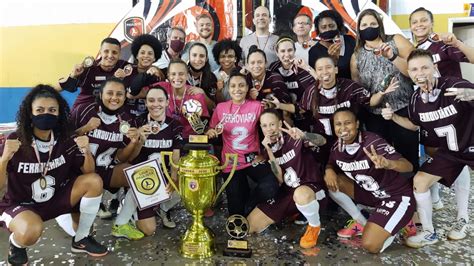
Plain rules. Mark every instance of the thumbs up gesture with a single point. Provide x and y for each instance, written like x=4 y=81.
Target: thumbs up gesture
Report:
x=387 y=112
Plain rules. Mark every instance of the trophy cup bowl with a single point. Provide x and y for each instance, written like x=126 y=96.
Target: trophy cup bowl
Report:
x=197 y=172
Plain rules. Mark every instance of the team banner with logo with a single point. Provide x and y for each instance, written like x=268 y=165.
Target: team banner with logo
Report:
x=232 y=18
x=147 y=183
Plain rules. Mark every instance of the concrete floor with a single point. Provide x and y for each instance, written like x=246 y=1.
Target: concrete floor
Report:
x=277 y=245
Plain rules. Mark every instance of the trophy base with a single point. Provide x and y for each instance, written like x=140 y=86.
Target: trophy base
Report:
x=198 y=244
x=237 y=248
x=235 y=252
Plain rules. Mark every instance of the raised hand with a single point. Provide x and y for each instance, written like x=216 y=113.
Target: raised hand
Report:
x=386 y=50
x=393 y=86
x=461 y=94
x=82 y=143
x=253 y=93
x=212 y=133
x=77 y=70
x=133 y=134
x=271 y=103
x=294 y=132
x=379 y=161
x=10 y=148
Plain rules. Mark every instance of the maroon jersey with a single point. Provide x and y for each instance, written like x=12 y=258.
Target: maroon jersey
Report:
x=449 y=122
x=298 y=164
x=446 y=57
x=25 y=185
x=346 y=93
x=273 y=84
x=167 y=139
x=135 y=107
x=354 y=163
x=91 y=79
x=105 y=140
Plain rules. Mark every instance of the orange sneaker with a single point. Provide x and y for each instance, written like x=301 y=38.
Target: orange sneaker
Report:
x=352 y=228
x=310 y=237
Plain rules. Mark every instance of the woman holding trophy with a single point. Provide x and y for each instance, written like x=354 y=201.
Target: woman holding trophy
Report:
x=237 y=120
x=159 y=133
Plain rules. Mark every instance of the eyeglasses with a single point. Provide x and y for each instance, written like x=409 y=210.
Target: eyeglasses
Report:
x=302 y=23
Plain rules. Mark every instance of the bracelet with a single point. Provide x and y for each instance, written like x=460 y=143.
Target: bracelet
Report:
x=394 y=56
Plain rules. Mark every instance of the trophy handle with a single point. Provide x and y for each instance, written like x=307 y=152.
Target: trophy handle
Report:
x=228 y=156
x=165 y=169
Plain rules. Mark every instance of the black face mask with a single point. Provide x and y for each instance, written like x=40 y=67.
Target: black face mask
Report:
x=45 y=121
x=329 y=35
x=369 y=34
x=107 y=110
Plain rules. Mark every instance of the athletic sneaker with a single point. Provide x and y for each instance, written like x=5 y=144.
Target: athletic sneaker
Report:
x=438 y=205
x=408 y=230
x=16 y=255
x=352 y=228
x=459 y=230
x=166 y=218
x=90 y=246
x=310 y=237
x=127 y=231
x=422 y=239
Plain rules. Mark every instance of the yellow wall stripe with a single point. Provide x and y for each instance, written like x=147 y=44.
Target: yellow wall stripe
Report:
x=41 y=54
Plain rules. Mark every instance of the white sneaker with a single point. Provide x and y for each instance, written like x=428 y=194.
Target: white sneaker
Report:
x=438 y=205
x=166 y=218
x=422 y=239
x=459 y=230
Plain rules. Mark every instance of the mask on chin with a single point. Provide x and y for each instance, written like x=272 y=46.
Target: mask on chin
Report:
x=107 y=110
x=329 y=35
x=45 y=121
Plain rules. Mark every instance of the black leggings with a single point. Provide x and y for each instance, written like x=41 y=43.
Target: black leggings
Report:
x=405 y=141
x=241 y=199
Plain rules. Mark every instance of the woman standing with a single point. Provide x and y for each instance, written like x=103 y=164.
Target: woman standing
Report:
x=228 y=54
x=200 y=76
x=46 y=166
x=376 y=57
x=237 y=121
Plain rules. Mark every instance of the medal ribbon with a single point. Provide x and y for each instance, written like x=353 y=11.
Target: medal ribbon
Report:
x=34 y=144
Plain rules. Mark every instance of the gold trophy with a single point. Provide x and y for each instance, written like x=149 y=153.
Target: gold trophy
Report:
x=197 y=173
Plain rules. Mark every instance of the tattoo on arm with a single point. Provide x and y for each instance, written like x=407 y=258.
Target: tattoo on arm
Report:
x=314 y=138
x=274 y=168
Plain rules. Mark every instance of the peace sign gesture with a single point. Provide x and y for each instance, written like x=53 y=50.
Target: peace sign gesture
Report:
x=294 y=132
x=379 y=161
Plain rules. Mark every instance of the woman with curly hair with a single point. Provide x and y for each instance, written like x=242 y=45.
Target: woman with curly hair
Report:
x=146 y=49
x=45 y=165
x=228 y=55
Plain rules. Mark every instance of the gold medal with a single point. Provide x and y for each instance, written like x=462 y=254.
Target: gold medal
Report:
x=219 y=128
x=128 y=69
x=42 y=182
x=88 y=62
x=124 y=127
x=154 y=127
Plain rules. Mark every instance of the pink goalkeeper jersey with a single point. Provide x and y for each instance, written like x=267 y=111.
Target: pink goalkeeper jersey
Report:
x=240 y=135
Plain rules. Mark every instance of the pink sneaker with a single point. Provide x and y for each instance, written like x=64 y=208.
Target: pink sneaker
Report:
x=408 y=230
x=352 y=228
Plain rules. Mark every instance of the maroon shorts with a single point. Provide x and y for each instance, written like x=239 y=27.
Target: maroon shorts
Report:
x=59 y=204
x=448 y=165
x=283 y=205
x=146 y=213
x=106 y=176
x=391 y=213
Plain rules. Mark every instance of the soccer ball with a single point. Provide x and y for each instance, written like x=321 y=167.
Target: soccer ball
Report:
x=192 y=106
x=237 y=226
